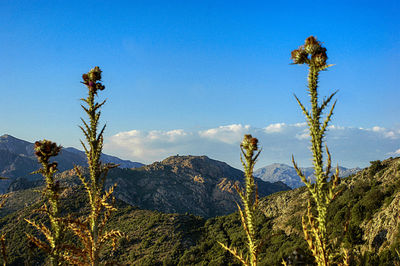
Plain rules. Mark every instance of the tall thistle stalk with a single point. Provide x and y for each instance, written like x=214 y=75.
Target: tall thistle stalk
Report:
x=44 y=150
x=323 y=191
x=91 y=230
x=249 y=197
x=3 y=198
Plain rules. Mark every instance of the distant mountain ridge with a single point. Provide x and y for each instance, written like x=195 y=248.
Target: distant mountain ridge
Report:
x=17 y=160
x=287 y=174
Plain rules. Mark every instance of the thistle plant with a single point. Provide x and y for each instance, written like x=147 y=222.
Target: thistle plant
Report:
x=3 y=248
x=3 y=198
x=44 y=150
x=249 y=198
x=323 y=192
x=91 y=230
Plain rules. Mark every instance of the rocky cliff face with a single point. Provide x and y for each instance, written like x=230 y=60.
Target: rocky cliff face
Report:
x=382 y=229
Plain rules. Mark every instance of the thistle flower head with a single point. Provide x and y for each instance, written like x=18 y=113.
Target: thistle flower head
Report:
x=100 y=86
x=320 y=59
x=249 y=143
x=95 y=74
x=299 y=56
x=45 y=149
x=311 y=53
x=92 y=80
x=311 y=45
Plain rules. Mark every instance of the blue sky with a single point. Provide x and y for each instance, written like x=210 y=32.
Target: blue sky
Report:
x=191 y=77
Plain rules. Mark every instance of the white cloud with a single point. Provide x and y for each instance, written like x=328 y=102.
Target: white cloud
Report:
x=228 y=134
x=142 y=145
x=303 y=124
x=349 y=146
x=378 y=129
x=169 y=136
x=303 y=135
x=390 y=134
x=275 y=128
x=387 y=133
x=333 y=127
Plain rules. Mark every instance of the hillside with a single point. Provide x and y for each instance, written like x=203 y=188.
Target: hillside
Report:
x=369 y=201
x=18 y=161
x=152 y=237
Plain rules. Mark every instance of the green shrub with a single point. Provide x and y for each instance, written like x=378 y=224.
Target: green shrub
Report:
x=375 y=167
x=354 y=235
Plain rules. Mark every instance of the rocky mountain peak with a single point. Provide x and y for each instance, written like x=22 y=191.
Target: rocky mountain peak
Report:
x=201 y=165
x=15 y=145
x=189 y=161
x=194 y=184
x=288 y=175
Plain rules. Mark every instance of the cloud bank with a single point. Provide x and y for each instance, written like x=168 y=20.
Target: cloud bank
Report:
x=349 y=146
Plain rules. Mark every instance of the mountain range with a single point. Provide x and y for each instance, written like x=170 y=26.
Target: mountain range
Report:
x=179 y=184
x=287 y=174
x=17 y=160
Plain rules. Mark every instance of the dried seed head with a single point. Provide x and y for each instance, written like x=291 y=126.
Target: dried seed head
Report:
x=44 y=149
x=312 y=45
x=246 y=141
x=311 y=53
x=99 y=86
x=253 y=144
x=249 y=143
x=311 y=40
x=320 y=59
x=92 y=78
x=299 y=56
x=95 y=74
